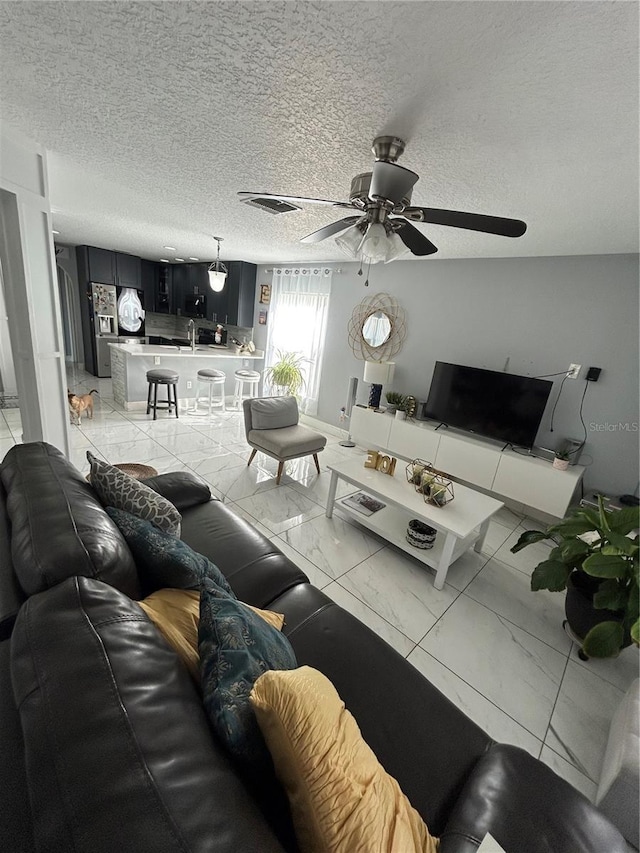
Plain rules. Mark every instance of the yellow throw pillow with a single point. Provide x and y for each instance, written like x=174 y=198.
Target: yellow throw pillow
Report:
x=176 y=614
x=341 y=798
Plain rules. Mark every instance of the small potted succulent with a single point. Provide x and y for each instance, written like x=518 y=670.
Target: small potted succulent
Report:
x=394 y=401
x=561 y=460
x=401 y=409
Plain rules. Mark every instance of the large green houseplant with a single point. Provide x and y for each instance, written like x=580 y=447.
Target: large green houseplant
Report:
x=286 y=374
x=594 y=555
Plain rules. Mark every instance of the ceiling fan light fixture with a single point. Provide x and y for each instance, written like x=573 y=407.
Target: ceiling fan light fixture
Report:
x=217 y=271
x=395 y=248
x=350 y=240
x=375 y=245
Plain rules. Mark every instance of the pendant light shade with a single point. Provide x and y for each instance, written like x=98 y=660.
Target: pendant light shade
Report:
x=217 y=271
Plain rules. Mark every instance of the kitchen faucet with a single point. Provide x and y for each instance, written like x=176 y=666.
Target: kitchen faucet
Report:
x=191 y=327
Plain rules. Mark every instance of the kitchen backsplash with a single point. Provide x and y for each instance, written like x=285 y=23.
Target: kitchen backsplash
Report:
x=172 y=326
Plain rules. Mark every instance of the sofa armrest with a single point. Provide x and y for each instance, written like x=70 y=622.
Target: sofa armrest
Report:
x=11 y=594
x=525 y=806
x=11 y=598
x=182 y=488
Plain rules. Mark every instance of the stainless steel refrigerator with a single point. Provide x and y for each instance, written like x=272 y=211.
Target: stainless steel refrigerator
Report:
x=105 y=325
x=117 y=313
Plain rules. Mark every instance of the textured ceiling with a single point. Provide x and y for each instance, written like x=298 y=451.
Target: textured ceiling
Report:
x=156 y=113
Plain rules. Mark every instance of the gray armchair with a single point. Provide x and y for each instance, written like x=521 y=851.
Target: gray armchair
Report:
x=271 y=426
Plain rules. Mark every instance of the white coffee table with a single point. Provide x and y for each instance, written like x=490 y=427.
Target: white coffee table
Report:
x=464 y=521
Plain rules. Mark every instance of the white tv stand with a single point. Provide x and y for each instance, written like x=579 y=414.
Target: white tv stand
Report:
x=505 y=473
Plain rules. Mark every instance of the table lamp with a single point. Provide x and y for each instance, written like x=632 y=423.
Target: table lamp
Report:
x=378 y=373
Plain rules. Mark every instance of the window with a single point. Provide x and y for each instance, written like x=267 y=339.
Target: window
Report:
x=298 y=323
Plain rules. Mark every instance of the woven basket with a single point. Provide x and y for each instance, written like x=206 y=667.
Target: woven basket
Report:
x=135 y=470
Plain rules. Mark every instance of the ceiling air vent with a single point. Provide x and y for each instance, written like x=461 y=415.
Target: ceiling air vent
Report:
x=271 y=205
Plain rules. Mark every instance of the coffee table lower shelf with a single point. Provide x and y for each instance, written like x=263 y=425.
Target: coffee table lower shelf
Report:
x=391 y=523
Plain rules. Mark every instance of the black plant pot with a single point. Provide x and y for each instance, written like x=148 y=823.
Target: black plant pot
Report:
x=581 y=615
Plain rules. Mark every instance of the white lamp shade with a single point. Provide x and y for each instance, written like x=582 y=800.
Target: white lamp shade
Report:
x=379 y=372
x=349 y=241
x=217 y=280
x=395 y=248
x=374 y=246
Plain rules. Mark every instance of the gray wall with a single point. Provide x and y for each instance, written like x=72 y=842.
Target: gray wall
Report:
x=540 y=313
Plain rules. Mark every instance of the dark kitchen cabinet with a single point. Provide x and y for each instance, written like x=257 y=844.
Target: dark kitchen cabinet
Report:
x=128 y=270
x=155 y=282
x=241 y=293
x=179 y=287
x=234 y=304
x=149 y=281
x=102 y=265
x=107 y=267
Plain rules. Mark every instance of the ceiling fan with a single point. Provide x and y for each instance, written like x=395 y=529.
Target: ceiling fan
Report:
x=381 y=230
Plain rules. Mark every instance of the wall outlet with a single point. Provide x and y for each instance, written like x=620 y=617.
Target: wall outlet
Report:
x=574 y=371
x=189 y=384
x=156 y=359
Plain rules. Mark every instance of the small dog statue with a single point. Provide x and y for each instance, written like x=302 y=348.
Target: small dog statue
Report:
x=79 y=403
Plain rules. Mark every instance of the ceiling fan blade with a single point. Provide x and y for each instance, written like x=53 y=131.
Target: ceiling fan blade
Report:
x=470 y=221
x=330 y=230
x=293 y=199
x=416 y=242
x=390 y=182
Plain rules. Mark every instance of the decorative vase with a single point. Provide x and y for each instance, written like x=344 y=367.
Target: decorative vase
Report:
x=401 y=415
x=560 y=464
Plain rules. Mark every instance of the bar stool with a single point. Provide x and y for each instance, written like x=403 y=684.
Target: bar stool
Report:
x=213 y=380
x=159 y=376
x=250 y=378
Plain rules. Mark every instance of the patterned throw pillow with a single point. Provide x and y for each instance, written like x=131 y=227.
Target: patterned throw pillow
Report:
x=163 y=560
x=115 y=488
x=236 y=647
x=176 y=614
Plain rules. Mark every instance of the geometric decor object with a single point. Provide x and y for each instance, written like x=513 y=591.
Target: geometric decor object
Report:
x=386 y=307
x=435 y=487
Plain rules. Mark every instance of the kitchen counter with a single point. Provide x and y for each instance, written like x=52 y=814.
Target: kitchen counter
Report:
x=130 y=363
x=170 y=350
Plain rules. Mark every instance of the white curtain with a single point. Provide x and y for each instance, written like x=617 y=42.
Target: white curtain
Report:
x=298 y=323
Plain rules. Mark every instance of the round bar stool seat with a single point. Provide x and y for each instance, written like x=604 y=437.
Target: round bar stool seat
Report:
x=161 y=376
x=251 y=378
x=213 y=381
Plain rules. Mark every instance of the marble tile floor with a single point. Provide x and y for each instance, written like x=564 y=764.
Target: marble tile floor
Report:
x=496 y=649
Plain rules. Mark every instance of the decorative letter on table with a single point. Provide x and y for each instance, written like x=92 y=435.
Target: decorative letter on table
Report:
x=382 y=463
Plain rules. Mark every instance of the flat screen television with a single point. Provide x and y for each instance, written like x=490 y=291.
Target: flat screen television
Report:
x=497 y=405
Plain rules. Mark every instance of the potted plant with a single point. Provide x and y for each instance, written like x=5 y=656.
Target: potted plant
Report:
x=286 y=375
x=596 y=560
x=402 y=409
x=561 y=460
x=394 y=400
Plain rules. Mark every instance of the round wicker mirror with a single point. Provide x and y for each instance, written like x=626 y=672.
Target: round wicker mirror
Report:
x=376 y=329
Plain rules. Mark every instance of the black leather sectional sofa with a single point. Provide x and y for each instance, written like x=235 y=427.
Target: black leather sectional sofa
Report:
x=105 y=745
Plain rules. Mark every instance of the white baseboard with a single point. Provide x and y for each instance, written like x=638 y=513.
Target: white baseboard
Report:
x=322 y=426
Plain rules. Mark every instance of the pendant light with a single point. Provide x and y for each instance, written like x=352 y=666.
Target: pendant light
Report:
x=217 y=271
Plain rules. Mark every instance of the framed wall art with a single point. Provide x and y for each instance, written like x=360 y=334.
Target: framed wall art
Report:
x=265 y=294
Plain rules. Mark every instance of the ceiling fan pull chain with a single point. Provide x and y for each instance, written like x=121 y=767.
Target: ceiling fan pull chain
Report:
x=366 y=283
x=360 y=270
